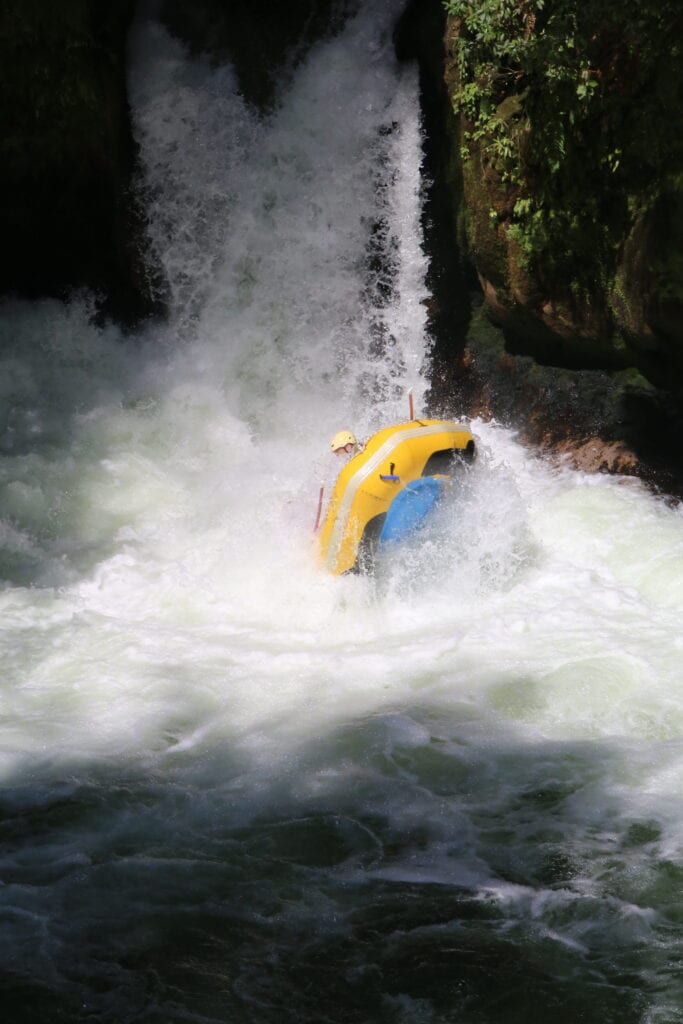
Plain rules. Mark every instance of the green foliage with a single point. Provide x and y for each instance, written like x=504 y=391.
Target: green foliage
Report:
x=574 y=106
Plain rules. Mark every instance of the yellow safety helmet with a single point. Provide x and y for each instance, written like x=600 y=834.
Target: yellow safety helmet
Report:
x=341 y=440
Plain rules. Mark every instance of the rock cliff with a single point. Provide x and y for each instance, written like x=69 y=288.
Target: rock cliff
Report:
x=67 y=154
x=557 y=186
x=573 y=176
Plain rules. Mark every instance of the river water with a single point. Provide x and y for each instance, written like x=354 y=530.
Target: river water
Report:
x=235 y=788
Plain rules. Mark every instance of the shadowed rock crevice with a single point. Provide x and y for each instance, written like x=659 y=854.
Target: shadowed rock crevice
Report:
x=67 y=156
x=263 y=40
x=451 y=277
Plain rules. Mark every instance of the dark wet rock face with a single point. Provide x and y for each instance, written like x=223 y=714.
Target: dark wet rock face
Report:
x=67 y=155
x=594 y=420
x=264 y=40
x=451 y=275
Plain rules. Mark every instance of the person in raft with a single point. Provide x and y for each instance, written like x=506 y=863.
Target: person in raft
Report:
x=345 y=443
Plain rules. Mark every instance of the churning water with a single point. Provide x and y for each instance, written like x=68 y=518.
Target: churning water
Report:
x=234 y=788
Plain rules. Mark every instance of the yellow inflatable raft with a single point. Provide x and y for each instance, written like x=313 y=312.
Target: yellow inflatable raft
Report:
x=372 y=479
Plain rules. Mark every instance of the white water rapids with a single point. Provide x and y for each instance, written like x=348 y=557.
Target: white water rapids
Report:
x=233 y=787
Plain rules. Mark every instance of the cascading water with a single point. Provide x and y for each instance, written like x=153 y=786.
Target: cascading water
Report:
x=234 y=788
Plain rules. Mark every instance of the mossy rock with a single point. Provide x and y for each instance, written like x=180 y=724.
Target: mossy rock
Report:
x=600 y=283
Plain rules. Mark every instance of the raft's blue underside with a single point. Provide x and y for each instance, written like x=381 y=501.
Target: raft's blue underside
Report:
x=410 y=509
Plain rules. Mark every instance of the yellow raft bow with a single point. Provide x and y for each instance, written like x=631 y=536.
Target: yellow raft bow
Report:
x=370 y=481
